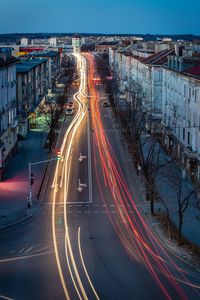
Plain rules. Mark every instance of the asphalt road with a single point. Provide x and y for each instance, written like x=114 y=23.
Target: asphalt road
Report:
x=98 y=254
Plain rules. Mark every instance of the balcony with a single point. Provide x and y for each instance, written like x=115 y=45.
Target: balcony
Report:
x=190 y=153
x=14 y=124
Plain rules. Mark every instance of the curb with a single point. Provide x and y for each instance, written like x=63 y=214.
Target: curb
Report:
x=6 y=226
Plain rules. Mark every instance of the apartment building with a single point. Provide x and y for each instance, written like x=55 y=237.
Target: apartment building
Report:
x=8 y=106
x=181 y=110
x=32 y=86
x=53 y=65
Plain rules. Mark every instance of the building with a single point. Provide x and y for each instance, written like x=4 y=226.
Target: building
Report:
x=28 y=50
x=53 y=61
x=76 y=43
x=25 y=41
x=181 y=110
x=8 y=106
x=32 y=85
x=145 y=72
x=53 y=41
x=104 y=47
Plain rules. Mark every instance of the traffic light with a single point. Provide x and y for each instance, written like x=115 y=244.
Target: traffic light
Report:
x=32 y=179
x=58 y=155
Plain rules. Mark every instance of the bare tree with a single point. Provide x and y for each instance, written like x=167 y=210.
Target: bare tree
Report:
x=50 y=112
x=182 y=196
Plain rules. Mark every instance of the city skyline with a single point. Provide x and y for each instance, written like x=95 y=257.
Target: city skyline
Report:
x=127 y=17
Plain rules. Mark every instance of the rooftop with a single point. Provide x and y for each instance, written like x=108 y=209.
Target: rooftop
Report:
x=159 y=58
x=193 y=70
x=27 y=65
x=9 y=61
x=107 y=43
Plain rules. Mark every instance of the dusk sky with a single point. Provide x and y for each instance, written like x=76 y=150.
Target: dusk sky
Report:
x=100 y=16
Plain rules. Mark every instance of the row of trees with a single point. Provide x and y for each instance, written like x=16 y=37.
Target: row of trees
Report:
x=50 y=110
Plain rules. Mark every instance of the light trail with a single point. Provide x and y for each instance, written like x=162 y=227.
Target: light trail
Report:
x=84 y=267
x=134 y=231
x=66 y=150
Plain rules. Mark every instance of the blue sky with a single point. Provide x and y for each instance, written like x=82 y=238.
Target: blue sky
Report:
x=111 y=16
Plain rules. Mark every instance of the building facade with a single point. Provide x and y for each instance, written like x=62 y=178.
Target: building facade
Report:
x=53 y=66
x=32 y=86
x=181 y=112
x=8 y=106
x=76 y=43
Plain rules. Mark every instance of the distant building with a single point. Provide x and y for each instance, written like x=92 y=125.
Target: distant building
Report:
x=76 y=43
x=103 y=47
x=8 y=106
x=39 y=42
x=167 y=39
x=28 y=50
x=25 y=41
x=53 y=41
x=53 y=58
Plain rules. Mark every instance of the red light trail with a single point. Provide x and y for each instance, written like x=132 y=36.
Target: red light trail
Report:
x=134 y=233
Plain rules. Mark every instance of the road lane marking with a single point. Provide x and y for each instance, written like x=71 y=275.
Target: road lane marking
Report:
x=12 y=251
x=28 y=250
x=6 y=298
x=21 y=251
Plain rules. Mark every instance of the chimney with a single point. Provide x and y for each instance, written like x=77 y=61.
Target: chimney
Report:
x=180 y=64
x=177 y=49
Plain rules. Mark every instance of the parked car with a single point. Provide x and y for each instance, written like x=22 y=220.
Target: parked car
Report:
x=105 y=104
x=76 y=82
x=70 y=104
x=69 y=111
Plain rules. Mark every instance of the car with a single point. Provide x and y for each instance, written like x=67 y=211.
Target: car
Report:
x=105 y=104
x=69 y=111
x=76 y=83
x=70 y=106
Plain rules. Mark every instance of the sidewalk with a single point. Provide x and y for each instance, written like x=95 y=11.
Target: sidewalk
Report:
x=14 y=188
x=168 y=203
x=168 y=193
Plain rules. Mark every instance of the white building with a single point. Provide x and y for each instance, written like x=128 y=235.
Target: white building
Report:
x=181 y=112
x=76 y=43
x=146 y=72
x=52 y=41
x=25 y=41
x=8 y=106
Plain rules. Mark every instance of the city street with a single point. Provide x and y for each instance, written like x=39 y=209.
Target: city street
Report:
x=89 y=240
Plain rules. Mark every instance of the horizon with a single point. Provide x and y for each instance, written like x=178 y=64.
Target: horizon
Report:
x=97 y=33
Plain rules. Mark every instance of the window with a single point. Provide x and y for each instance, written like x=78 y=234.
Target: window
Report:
x=184 y=90
x=190 y=92
x=199 y=123
x=195 y=95
x=184 y=134
x=188 y=138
